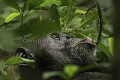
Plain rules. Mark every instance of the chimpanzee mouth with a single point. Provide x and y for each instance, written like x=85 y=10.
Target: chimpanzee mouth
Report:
x=89 y=45
x=88 y=42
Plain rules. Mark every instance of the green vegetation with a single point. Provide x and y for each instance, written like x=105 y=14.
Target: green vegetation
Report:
x=34 y=18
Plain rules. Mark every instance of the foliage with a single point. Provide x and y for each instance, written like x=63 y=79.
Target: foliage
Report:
x=35 y=18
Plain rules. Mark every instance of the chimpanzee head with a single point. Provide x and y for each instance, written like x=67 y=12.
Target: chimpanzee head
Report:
x=56 y=50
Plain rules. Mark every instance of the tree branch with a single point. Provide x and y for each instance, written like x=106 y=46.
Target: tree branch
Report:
x=100 y=23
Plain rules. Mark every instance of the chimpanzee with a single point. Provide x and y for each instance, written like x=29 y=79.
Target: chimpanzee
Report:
x=54 y=51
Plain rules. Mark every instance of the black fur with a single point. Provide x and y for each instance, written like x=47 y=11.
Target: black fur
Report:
x=54 y=51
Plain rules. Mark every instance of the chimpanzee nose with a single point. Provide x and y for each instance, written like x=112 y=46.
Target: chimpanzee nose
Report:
x=87 y=40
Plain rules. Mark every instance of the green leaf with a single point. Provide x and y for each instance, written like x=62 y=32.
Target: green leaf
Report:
x=111 y=42
x=14 y=60
x=12 y=3
x=28 y=60
x=31 y=4
x=54 y=14
x=2 y=65
x=12 y=16
x=106 y=51
x=80 y=11
x=88 y=19
x=70 y=70
x=39 y=27
x=47 y=3
x=47 y=75
x=17 y=60
x=7 y=40
x=70 y=13
x=105 y=31
x=85 y=23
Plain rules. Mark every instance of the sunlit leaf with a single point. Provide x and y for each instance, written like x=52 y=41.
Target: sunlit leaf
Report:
x=12 y=16
x=47 y=75
x=17 y=60
x=111 y=42
x=70 y=70
x=80 y=11
x=14 y=60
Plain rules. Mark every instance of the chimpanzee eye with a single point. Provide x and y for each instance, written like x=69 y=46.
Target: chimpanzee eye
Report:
x=68 y=37
x=56 y=36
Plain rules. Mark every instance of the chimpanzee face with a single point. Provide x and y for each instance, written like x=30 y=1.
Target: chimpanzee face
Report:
x=62 y=49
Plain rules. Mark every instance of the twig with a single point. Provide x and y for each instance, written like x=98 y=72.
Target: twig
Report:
x=100 y=19
x=90 y=9
x=22 y=12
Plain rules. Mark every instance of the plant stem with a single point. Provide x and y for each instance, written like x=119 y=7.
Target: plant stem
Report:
x=100 y=22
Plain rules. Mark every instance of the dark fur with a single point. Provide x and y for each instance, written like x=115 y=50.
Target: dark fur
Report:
x=53 y=51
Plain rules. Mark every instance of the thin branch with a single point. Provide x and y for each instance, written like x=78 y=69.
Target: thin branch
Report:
x=100 y=19
x=22 y=12
x=90 y=9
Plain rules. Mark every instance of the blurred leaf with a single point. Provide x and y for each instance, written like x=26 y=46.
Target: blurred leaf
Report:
x=107 y=32
x=54 y=14
x=85 y=3
x=111 y=42
x=80 y=11
x=14 y=60
x=7 y=39
x=12 y=3
x=31 y=4
x=70 y=70
x=88 y=19
x=76 y=22
x=12 y=16
x=105 y=4
x=47 y=3
x=47 y=75
x=1 y=20
x=17 y=60
x=107 y=67
x=106 y=51
x=64 y=2
x=6 y=73
x=37 y=26
x=70 y=13
x=85 y=24
x=2 y=65
x=8 y=23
